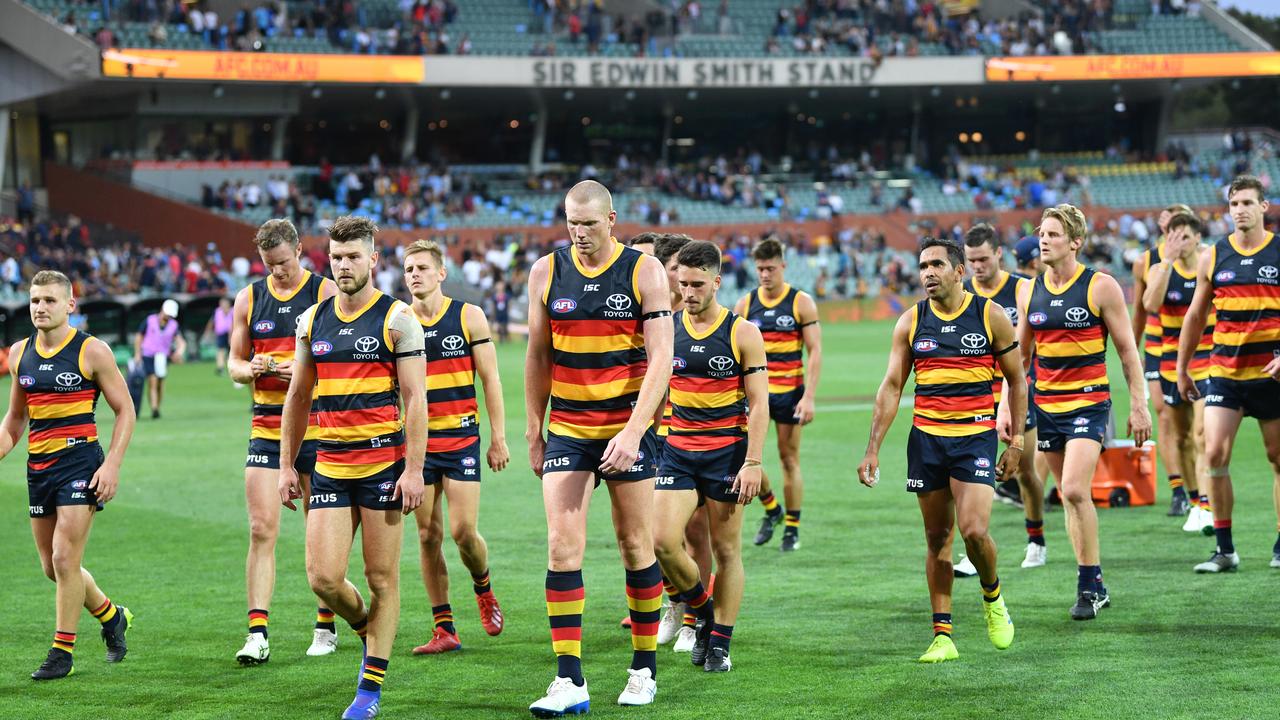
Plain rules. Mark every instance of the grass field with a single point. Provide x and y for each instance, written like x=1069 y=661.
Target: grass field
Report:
x=831 y=630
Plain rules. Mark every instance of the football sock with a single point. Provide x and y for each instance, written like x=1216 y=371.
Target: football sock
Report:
x=64 y=641
x=1035 y=531
x=991 y=593
x=109 y=615
x=565 y=598
x=443 y=615
x=480 y=583
x=689 y=620
x=324 y=619
x=700 y=602
x=942 y=624
x=720 y=636
x=644 y=601
x=673 y=595
x=375 y=671
x=362 y=629
x=792 y=522
x=1222 y=529
x=1089 y=577
x=1175 y=482
x=770 y=503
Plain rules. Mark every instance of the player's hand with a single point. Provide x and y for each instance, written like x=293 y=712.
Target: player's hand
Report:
x=258 y=365
x=290 y=486
x=1273 y=368
x=1007 y=465
x=104 y=483
x=1140 y=424
x=869 y=469
x=537 y=450
x=410 y=489
x=498 y=455
x=804 y=411
x=1187 y=387
x=620 y=454
x=1004 y=424
x=747 y=483
x=283 y=370
x=176 y=358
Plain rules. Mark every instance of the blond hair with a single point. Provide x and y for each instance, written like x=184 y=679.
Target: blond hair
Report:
x=426 y=246
x=1073 y=222
x=274 y=233
x=51 y=277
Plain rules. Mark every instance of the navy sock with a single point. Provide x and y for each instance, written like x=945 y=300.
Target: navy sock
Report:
x=375 y=671
x=1035 y=531
x=942 y=624
x=1089 y=577
x=720 y=636
x=1275 y=549
x=1222 y=529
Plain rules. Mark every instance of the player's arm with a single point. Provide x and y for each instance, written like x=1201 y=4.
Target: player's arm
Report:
x=1111 y=306
x=284 y=369
x=242 y=365
x=811 y=334
x=1026 y=339
x=137 y=341
x=740 y=307
x=537 y=364
x=659 y=346
x=328 y=289
x=101 y=364
x=1004 y=343
x=750 y=345
x=1139 y=292
x=295 y=415
x=887 y=398
x=409 y=345
x=15 y=417
x=486 y=356
x=1022 y=335
x=1193 y=326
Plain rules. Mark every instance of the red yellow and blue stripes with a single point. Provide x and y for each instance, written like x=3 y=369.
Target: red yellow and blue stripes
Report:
x=272 y=317
x=953 y=396
x=451 y=380
x=1070 y=345
x=64 y=641
x=1172 y=314
x=707 y=413
x=783 y=338
x=61 y=398
x=1246 y=297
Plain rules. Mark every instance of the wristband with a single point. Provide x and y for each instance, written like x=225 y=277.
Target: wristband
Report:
x=750 y=463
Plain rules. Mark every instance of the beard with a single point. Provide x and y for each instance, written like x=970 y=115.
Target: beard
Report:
x=357 y=283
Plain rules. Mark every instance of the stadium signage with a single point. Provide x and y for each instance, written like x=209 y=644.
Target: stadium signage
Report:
x=260 y=67
x=645 y=73
x=1132 y=67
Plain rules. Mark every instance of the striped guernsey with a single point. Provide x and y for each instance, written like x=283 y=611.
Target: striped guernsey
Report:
x=1070 y=344
x=953 y=359
x=60 y=399
x=273 y=320
x=1246 y=295
x=451 y=380
x=783 y=339
x=708 y=394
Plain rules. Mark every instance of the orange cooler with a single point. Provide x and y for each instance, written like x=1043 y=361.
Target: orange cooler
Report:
x=1126 y=475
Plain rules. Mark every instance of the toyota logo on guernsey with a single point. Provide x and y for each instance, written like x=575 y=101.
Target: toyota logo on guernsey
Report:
x=1268 y=272
x=367 y=344
x=321 y=347
x=68 y=379
x=453 y=342
x=564 y=305
x=264 y=326
x=973 y=341
x=785 y=321
x=1077 y=314
x=618 y=302
x=720 y=362
x=926 y=345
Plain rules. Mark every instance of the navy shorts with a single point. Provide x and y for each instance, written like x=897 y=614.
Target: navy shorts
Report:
x=1173 y=398
x=149 y=366
x=66 y=482
x=711 y=473
x=1056 y=429
x=462 y=464
x=373 y=492
x=1150 y=366
x=1256 y=398
x=264 y=453
x=224 y=341
x=782 y=406
x=566 y=454
x=933 y=460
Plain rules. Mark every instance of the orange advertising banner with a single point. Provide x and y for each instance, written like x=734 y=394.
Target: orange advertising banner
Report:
x=1132 y=67
x=261 y=67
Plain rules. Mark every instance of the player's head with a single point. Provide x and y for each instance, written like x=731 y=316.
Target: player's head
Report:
x=1062 y=229
x=1169 y=212
x=351 y=253
x=698 y=275
x=982 y=252
x=278 y=245
x=168 y=311
x=666 y=249
x=51 y=300
x=588 y=210
x=1248 y=202
x=1027 y=254
x=771 y=263
x=1189 y=224
x=224 y=302
x=423 y=268
x=941 y=267
x=645 y=242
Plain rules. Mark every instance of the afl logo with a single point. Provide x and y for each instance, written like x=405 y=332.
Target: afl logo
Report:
x=68 y=379
x=368 y=343
x=720 y=362
x=1038 y=318
x=453 y=342
x=678 y=363
x=1081 y=421
x=264 y=326
x=1174 y=295
x=468 y=462
x=1268 y=272
x=926 y=345
x=982 y=462
x=564 y=305
x=1077 y=314
x=785 y=321
x=26 y=380
x=321 y=347
x=1225 y=276
x=79 y=484
x=618 y=302
x=387 y=486
x=758 y=323
x=973 y=341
